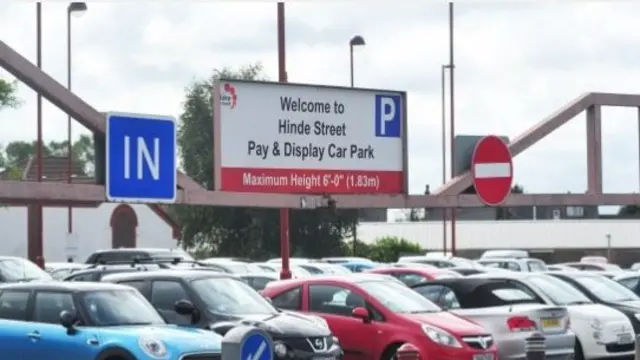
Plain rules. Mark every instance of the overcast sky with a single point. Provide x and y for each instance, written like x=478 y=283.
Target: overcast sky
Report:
x=515 y=64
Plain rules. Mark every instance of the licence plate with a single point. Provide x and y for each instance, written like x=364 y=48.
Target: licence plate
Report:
x=483 y=357
x=625 y=338
x=550 y=323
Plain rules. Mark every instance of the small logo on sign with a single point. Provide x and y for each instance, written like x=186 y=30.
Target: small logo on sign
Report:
x=229 y=97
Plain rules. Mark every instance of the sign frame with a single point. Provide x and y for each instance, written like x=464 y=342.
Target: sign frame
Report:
x=217 y=136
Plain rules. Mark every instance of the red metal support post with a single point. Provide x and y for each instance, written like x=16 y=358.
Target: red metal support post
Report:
x=285 y=273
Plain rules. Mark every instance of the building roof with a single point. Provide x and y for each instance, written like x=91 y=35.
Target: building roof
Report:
x=55 y=169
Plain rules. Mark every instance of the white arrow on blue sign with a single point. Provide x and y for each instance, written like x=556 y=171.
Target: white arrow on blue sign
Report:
x=256 y=347
x=141 y=156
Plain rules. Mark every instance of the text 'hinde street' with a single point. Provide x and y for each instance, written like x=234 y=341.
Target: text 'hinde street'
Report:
x=312 y=129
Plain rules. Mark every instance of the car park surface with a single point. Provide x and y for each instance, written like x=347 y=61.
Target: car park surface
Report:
x=509 y=313
x=601 y=331
x=219 y=302
x=63 y=321
x=605 y=291
x=372 y=316
x=415 y=275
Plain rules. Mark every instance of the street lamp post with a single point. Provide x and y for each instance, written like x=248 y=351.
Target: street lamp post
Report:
x=77 y=9
x=357 y=40
x=443 y=83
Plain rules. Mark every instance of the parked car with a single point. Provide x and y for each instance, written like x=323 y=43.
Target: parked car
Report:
x=317 y=268
x=440 y=262
x=60 y=270
x=603 y=290
x=635 y=266
x=129 y=254
x=593 y=266
x=514 y=264
x=630 y=280
x=258 y=281
x=356 y=266
x=63 y=321
x=415 y=275
x=510 y=253
x=230 y=266
x=219 y=302
x=373 y=315
x=559 y=267
x=296 y=271
x=467 y=271
x=96 y=272
x=594 y=259
x=347 y=259
x=601 y=331
x=506 y=311
x=17 y=269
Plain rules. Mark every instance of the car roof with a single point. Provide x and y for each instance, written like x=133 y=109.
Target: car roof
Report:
x=171 y=274
x=353 y=278
x=79 y=286
x=408 y=269
x=465 y=285
x=270 y=275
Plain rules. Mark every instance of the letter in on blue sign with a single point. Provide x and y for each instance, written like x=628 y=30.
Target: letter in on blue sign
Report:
x=256 y=347
x=141 y=158
x=388 y=115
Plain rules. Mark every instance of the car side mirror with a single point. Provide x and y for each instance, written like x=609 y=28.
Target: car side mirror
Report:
x=362 y=314
x=221 y=328
x=185 y=307
x=68 y=319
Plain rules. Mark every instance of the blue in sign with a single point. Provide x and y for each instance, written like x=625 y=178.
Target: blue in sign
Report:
x=256 y=347
x=141 y=158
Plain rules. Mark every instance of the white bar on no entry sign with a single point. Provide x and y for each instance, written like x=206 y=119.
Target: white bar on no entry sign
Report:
x=492 y=170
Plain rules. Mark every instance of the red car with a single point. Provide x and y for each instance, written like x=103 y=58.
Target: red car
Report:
x=373 y=315
x=415 y=275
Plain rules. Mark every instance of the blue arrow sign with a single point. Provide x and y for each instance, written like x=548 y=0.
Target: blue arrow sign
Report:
x=141 y=156
x=256 y=347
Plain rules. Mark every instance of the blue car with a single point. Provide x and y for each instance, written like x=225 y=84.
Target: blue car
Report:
x=359 y=266
x=94 y=321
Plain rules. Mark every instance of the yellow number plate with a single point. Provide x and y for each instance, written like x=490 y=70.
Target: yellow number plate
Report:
x=547 y=323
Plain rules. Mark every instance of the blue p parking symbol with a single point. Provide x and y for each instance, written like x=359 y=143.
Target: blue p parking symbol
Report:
x=388 y=114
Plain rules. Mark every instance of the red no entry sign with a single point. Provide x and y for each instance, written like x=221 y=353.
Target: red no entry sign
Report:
x=492 y=170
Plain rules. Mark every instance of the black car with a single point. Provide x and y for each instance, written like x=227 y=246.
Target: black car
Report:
x=95 y=272
x=129 y=254
x=603 y=290
x=467 y=271
x=218 y=302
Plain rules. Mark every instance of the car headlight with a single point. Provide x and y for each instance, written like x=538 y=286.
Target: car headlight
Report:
x=280 y=349
x=153 y=347
x=440 y=336
x=596 y=323
x=320 y=321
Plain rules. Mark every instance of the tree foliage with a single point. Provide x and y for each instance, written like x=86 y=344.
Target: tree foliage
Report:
x=8 y=94
x=16 y=153
x=384 y=249
x=247 y=232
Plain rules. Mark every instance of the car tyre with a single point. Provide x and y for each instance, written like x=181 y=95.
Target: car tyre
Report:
x=390 y=352
x=577 y=352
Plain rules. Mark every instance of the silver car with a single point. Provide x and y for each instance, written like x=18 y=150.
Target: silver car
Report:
x=505 y=310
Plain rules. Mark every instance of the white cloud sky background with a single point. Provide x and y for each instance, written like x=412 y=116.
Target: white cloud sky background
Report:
x=515 y=64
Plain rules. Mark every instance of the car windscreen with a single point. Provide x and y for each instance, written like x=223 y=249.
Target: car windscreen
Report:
x=17 y=269
x=398 y=297
x=606 y=289
x=557 y=290
x=231 y=296
x=119 y=308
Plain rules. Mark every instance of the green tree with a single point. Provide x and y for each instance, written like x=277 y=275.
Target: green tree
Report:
x=247 y=232
x=390 y=248
x=629 y=212
x=8 y=94
x=17 y=153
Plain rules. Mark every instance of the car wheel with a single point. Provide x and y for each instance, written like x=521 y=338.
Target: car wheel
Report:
x=390 y=352
x=577 y=352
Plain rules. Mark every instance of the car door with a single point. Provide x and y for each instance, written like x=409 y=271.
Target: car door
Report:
x=164 y=295
x=335 y=304
x=13 y=324
x=49 y=339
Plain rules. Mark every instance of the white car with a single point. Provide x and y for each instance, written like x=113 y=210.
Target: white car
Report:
x=601 y=331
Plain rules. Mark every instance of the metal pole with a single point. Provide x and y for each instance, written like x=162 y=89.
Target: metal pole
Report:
x=285 y=273
x=351 y=63
x=452 y=122
x=444 y=153
x=69 y=146
x=608 y=236
x=38 y=246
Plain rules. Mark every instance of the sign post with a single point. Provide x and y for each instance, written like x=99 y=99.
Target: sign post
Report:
x=141 y=157
x=492 y=170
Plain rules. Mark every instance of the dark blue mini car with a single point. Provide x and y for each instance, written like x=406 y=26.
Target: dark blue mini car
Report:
x=82 y=320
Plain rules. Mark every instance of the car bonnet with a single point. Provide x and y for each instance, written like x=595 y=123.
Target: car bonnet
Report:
x=289 y=324
x=448 y=322
x=178 y=339
x=601 y=312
